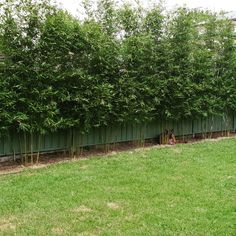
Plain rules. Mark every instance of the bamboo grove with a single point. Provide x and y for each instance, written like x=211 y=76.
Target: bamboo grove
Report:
x=120 y=63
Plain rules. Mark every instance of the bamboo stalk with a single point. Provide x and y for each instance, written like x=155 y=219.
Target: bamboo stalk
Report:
x=73 y=144
x=21 y=153
x=211 y=127
x=14 y=154
x=25 y=144
x=39 y=138
x=31 y=149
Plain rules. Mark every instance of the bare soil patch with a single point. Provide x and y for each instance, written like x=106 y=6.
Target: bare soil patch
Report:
x=113 y=205
x=82 y=208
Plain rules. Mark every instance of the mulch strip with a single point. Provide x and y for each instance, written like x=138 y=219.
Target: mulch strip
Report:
x=47 y=159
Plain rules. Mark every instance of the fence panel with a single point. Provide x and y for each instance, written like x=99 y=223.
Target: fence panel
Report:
x=62 y=140
x=234 y=119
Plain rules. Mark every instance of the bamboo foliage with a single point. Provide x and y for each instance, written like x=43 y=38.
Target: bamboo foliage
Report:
x=120 y=64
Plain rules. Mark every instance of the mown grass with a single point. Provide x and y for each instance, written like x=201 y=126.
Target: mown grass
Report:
x=183 y=190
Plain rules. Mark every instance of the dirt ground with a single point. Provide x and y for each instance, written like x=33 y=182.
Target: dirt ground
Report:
x=10 y=167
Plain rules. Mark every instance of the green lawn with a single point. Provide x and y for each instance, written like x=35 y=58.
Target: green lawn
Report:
x=183 y=190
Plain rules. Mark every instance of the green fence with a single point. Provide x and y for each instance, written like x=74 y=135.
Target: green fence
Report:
x=65 y=139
